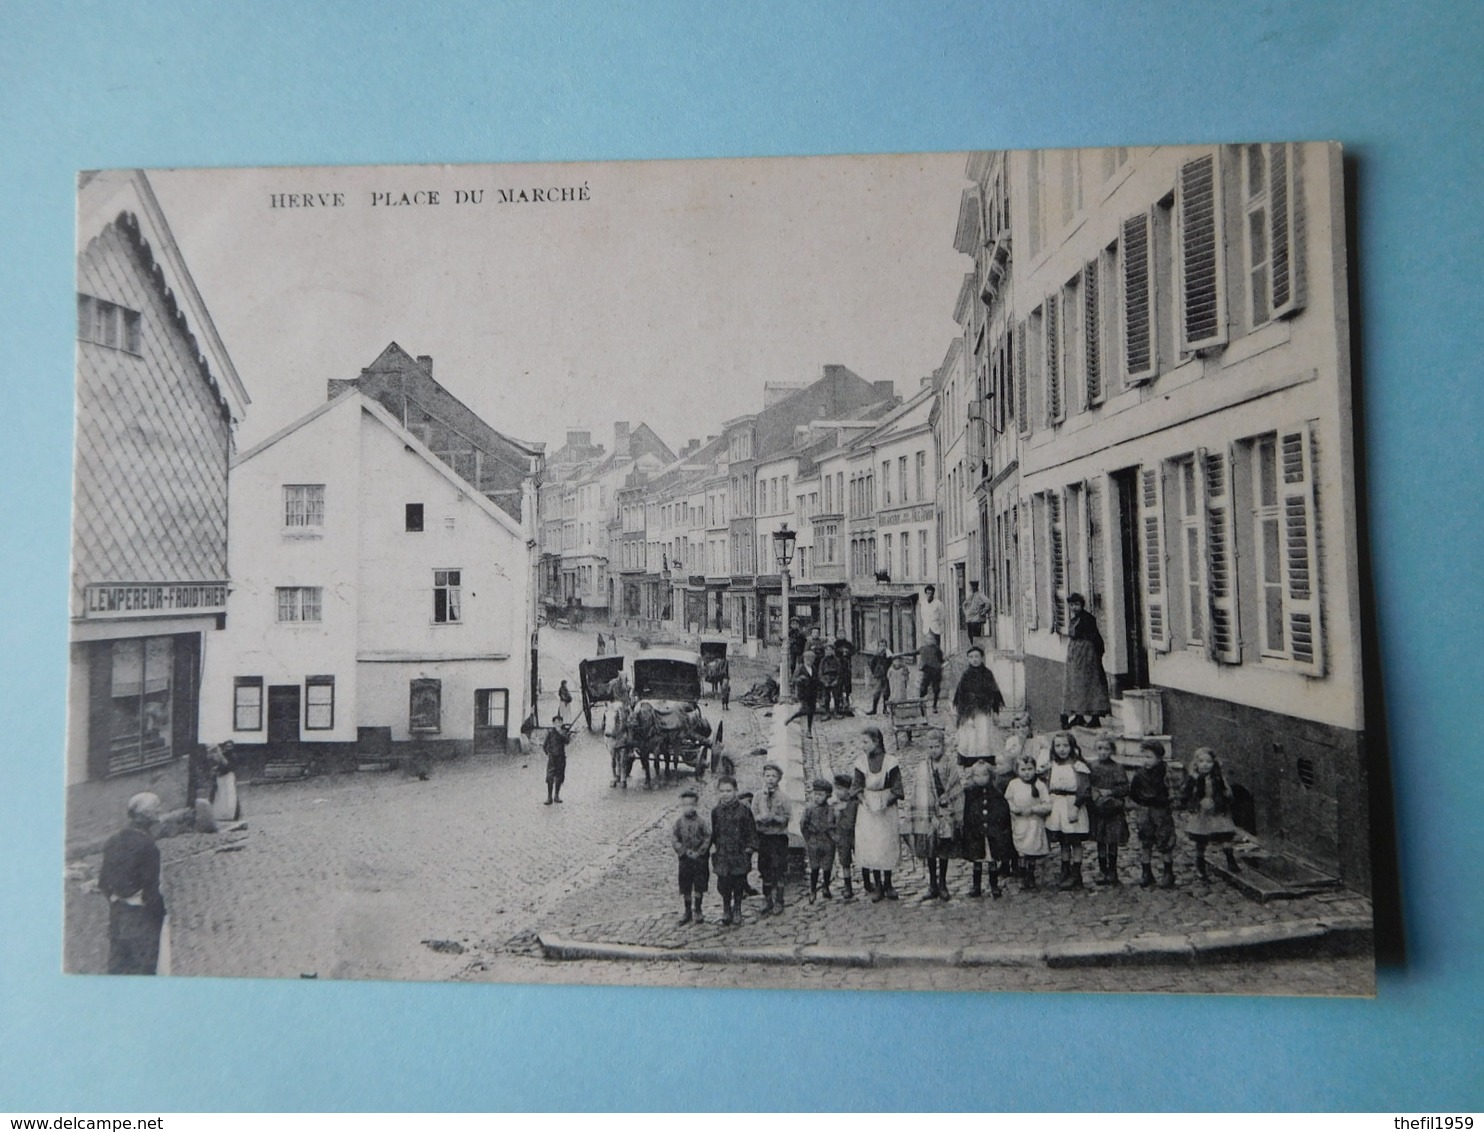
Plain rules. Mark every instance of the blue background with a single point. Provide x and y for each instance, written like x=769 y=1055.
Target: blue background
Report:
x=158 y=84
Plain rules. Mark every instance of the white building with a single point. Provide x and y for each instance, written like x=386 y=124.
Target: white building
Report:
x=376 y=598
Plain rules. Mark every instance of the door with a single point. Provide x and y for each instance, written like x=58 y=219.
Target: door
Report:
x=491 y=721
x=1125 y=484
x=283 y=714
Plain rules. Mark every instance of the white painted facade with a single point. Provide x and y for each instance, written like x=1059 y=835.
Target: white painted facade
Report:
x=357 y=595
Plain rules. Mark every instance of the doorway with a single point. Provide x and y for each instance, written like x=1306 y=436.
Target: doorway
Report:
x=283 y=715
x=1125 y=487
x=491 y=721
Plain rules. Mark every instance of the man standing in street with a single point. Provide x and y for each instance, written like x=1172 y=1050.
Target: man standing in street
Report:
x=555 y=746
x=130 y=878
x=976 y=612
x=930 y=613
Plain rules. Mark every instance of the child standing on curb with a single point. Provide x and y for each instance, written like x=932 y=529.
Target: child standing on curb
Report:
x=817 y=827
x=1151 y=793
x=692 y=839
x=1029 y=804
x=771 y=812
x=1206 y=797
x=846 y=804
x=1109 y=801
x=734 y=839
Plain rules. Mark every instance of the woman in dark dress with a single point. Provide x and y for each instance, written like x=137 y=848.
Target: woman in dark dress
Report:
x=1085 y=692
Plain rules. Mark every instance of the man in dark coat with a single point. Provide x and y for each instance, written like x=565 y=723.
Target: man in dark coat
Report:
x=130 y=878
x=555 y=747
x=880 y=669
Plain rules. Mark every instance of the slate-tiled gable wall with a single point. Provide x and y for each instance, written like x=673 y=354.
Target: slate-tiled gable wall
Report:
x=153 y=440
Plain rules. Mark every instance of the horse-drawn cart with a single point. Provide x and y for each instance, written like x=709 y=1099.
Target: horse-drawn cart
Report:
x=596 y=675
x=667 y=726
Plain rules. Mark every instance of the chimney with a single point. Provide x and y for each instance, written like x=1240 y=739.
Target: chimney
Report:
x=621 y=439
x=884 y=389
x=426 y=361
x=579 y=438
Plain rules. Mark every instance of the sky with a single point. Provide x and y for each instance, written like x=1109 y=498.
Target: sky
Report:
x=669 y=295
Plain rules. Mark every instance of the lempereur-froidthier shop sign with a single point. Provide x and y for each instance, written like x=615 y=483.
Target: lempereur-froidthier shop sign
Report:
x=149 y=599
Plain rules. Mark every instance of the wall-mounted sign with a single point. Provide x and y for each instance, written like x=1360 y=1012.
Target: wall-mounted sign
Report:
x=153 y=599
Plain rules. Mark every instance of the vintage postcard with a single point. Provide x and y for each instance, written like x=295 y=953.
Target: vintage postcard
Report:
x=923 y=571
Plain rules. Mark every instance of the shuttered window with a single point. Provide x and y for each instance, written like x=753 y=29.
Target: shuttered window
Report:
x=1032 y=548
x=1223 y=642
x=1151 y=517
x=1093 y=493
x=1202 y=291
x=1286 y=519
x=1274 y=229
x=1092 y=323
x=1190 y=549
x=1054 y=407
x=1140 y=362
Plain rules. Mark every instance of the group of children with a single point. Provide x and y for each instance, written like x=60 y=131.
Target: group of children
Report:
x=1030 y=809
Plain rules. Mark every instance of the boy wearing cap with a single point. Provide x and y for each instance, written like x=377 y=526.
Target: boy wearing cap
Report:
x=817 y=827
x=734 y=838
x=771 y=812
x=555 y=746
x=691 y=837
x=847 y=802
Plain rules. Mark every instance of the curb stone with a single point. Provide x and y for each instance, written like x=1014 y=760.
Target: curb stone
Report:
x=1076 y=953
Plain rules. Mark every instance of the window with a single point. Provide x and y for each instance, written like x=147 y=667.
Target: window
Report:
x=902 y=479
x=414 y=517
x=1191 y=551
x=886 y=549
x=906 y=555
x=922 y=475
x=886 y=483
x=304 y=506
x=1271 y=200
x=108 y=324
x=922 y=542
x=1151 y=519
x=492 y=707
x=1285 y=519
x=446 y=597
x=319 y=703
x=247 y=703
x=1022 y=413
x=1140 y=361
x=425 y=707
x=1223 y=640
x=299 y=603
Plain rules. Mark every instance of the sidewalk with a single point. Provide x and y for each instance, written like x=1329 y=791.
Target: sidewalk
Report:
x=633 y=914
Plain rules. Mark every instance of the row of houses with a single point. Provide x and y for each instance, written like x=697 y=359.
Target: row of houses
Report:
x=1148 y=404
x=362 y=578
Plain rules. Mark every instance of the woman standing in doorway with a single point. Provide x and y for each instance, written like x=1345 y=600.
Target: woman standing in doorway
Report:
x=1085 y=691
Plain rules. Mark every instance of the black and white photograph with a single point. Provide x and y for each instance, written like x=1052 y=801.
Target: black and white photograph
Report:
x=892 y=572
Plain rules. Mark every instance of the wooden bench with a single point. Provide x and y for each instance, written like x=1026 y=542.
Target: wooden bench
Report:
x=909 y=718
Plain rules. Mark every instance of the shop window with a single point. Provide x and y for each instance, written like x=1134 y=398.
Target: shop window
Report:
x=247 y=703
x=319 y=703
x=140 y=703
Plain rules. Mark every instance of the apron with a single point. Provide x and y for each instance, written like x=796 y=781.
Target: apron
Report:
x=878 y=842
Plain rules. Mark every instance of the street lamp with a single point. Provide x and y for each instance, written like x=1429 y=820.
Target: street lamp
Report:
x=783 y=545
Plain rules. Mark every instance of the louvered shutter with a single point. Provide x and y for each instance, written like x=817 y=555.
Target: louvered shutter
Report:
x=1139 y=354
x=1093 y=327
x=1092 y=491
x=1054 y=411
x=1022 y=411
x=1285 y=222
x=1202 y=270
x=1151 y=514
x=1032 y=515
x=1300 y=550
x=1055 y=514
x=1223 y=637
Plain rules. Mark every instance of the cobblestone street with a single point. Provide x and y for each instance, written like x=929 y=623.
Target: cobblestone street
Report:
x=377 y=875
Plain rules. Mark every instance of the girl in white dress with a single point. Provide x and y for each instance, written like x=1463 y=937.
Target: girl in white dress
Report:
x=1030 y=802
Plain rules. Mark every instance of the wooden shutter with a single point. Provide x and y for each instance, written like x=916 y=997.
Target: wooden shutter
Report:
x=1056 y=541
x=1223 y=634
x=1054 y=408
x=1300 y=550
x=1022 y=410
x=1139 y=347
x=1151 y=513
x=1202 y=267
x=1092 y=326
x=1033 y=516
x=1092 y=492
x=1285 y=222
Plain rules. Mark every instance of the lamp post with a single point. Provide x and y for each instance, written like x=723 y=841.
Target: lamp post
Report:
x=783 y=545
